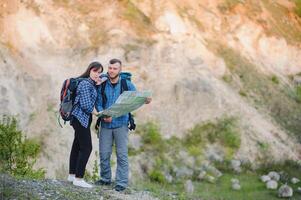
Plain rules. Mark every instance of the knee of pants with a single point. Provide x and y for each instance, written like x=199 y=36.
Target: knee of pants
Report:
x=122 y=158
x=105 y=155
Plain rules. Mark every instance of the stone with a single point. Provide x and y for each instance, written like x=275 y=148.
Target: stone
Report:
x=299 y=190
x=285 y=191
x=202 y=175
x=234 y=181
x=265 y=178
x=183 y=172
x=210 y=179
x=272 y=185
x=295 y=180
x=274 y=176
x=236 y=165
x=189 y=188
x=236 y=186
x=168 y=178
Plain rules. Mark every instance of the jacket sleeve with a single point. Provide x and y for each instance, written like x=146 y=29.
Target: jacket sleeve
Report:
x=85 y=101
x=98 y=104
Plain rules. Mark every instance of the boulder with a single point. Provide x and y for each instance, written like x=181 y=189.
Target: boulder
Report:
x=265 y=178
x=285 y=191
x=295 y=180
x=189 y=188
x=272 y=185
x=274 y=176
x=236 y=186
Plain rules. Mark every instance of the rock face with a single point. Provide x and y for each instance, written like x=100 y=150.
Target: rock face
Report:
x=169 y=51
x=285 y=191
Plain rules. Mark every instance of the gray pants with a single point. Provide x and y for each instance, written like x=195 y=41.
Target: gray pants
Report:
x=106 y=139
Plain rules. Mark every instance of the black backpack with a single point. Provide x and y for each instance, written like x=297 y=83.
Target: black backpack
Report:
x=67 y=98
x=124 y=87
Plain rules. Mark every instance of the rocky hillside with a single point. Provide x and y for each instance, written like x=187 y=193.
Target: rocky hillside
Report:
x=202 y=60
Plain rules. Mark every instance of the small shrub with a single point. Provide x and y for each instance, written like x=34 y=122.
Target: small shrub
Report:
x=275 y=79
x=17 y=153
x=298 y=7
x=157 y=176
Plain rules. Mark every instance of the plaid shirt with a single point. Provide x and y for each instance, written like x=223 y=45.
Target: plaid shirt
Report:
x=112 y=94
x=84 y=101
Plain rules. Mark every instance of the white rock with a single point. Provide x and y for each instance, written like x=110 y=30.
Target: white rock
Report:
x=295 y=180
x=272 y=185
x=274 y=176
x=235 y=164
x=265 y=178
x=210 y=179
x=189 y=188
x=285 y=191
x=299 y=190
x=234 y=181
x=202 y=175
x=236 y=186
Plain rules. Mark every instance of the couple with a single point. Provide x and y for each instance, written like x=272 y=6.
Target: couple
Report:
x=89 y=101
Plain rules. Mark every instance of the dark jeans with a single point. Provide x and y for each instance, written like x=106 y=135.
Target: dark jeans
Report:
x=81 y=148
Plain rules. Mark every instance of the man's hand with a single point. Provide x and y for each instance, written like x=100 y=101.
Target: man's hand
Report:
x=107 y=119
x=148 y=100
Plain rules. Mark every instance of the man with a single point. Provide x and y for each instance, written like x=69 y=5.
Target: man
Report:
x=114 y=130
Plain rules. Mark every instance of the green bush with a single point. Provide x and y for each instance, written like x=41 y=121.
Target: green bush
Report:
x=17 y=153
x=157 y=176
x=150 y=134
x=298 y=7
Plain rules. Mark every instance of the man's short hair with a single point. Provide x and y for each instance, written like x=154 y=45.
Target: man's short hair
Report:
x=113 y=61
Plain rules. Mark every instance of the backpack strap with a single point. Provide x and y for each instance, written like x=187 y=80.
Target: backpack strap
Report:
x=124 y=86
x=103 y=95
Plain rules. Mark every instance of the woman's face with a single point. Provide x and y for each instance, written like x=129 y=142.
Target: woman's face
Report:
x=95 y=74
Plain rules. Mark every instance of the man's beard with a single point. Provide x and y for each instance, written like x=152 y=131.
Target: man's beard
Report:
x=112 y=78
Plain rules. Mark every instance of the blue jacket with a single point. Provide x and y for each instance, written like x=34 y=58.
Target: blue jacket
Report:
x=112 y=94
x=84 y=101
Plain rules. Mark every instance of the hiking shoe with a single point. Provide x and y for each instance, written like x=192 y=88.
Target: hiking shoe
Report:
x=81 y=183
x=119 y=188
x=101 y=182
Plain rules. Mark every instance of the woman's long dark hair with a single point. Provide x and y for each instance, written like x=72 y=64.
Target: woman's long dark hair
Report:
x=93 y=66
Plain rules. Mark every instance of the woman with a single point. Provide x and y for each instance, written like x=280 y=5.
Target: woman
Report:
x=81 y=120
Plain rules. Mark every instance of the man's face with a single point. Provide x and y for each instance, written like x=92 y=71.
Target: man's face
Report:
x=114 y=70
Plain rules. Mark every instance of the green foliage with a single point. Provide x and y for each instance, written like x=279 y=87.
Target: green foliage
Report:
x=298 y=93
x=137 y=18
x=298 y=7
x=275 y=79
x=157 y=176
x=17 y=153
x=228 y=5
x=150 y=134
x=223 y=131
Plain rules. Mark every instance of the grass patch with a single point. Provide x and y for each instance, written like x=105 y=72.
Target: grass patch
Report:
x=223 y=131
x=251 y=188
x=228 y=5
x=280 y=23
x=298 y=7
x=141 y=22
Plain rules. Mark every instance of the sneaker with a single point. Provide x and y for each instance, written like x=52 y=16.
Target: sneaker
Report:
x=101 y=182
x=81 y=183
x=119 y=188
x=71 y=178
